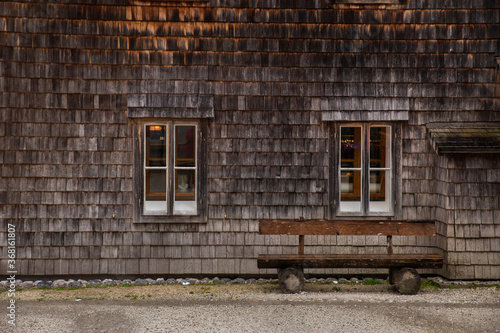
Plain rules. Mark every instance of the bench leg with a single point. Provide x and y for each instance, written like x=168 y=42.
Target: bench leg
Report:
x=392 y=272
x=407 y=280
x=291 y=279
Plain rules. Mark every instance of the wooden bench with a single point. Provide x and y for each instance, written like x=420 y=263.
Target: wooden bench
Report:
x=401 y=267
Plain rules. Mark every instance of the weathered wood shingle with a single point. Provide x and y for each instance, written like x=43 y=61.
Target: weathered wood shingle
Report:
x=270 y=75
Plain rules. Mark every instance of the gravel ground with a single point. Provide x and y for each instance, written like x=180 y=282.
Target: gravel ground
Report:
x=254 y=308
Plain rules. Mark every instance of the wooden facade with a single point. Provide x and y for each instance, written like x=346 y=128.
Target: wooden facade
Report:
x=271 y=81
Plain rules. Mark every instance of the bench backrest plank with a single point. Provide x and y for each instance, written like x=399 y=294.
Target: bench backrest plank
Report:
x=345 y=228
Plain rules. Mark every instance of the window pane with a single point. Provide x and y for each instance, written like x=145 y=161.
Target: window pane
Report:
x=380 y=147
x=185 y=191
x=155 y=145
x=380 y=191
x=350 y=150
x=350 y=186
x=350 y=191
x=156 y=185
x=377 y=185
x=185 y=141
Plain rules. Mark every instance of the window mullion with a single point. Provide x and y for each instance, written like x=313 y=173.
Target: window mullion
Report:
x=170 y=170
x=366 y=168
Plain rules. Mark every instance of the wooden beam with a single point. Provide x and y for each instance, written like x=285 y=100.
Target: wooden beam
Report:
x=350 y=260
x=359 y=227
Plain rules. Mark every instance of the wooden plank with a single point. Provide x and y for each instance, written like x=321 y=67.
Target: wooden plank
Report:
x=359 y=227
x=350 y=261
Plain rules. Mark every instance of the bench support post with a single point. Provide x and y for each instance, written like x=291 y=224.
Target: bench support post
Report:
x=301 y=244
x=389 y=245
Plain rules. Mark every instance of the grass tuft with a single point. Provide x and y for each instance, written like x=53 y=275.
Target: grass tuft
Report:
x=430 y=284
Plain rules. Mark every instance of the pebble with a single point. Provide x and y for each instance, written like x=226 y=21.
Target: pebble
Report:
x=70 y=283
x=59 y=284
x=27 y=285
x=140 y=282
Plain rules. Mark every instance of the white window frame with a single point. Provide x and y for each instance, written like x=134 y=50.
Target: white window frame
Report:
x=365 y=207
x=175 y=168
x=169 y=213
x=145 y=168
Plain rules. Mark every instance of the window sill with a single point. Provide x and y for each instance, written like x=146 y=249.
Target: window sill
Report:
x=367 y=216
x=170 y=219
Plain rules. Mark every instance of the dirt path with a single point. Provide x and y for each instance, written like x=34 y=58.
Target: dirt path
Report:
x=254 y=308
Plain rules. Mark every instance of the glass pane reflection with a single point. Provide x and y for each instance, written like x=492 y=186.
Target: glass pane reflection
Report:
x=156 y=185
x=185 y=141
x=156 y=147
x=377 y=185
x=350 y=186
x=185 y=184
x=350 y=155
x=379 y=147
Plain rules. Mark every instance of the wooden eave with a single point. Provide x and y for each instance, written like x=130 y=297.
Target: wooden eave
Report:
x=464 y=138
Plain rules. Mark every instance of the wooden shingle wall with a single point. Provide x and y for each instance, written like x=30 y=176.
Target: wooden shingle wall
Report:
x=68 y=71
x=470 y=204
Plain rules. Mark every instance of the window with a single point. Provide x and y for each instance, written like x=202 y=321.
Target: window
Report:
x=169 y=184
x=365 y=169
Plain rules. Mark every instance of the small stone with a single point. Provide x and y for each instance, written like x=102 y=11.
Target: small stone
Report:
x=95 y=283
x=250 y=281
x=238 y=281
x=59 y=284
x=28 y=285
x=343 y=280
x=355 y=280
x=150 y=281
x=43 y=284
x=127 y=282
x=216 y=280
x=4 y=285
x=331 y=280
x=140 y=282
x=75 y=284
x=171 y=281
x=159 y=281
x=312 y=280
x=205 y=280
x=225 y=280
x=187 y=282
x=261 y=280
x=83 y=282
x=108 y=283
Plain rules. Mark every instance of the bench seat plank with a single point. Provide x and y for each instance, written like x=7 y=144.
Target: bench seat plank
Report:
x=350 y=260
x=334 y=227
